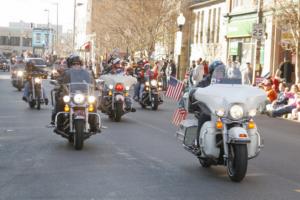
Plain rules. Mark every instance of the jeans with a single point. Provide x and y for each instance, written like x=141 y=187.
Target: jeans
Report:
x=283 y=110
x=142 y=86
x=27 y=89
x=136 y=90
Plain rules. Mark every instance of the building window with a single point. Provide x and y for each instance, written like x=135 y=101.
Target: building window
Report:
x=202 y=27
x=213 y=26
x=238 y=5
x=208 y=26
x=15 y=41
x=4 y=40
x=27 y=42
x=197 y=26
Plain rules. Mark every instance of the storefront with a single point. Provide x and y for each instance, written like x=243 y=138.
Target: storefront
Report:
x=241 y=46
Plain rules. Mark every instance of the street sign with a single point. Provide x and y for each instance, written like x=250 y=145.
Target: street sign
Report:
x=258 y=31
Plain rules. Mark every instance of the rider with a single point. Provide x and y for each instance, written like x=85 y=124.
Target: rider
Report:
x=74 y=64
x=203 y=114
x=139 y=73
x=30 y=69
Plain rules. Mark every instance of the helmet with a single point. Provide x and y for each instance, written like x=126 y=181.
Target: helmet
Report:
x=214 y=65
x=116 y=61
x=73 y=60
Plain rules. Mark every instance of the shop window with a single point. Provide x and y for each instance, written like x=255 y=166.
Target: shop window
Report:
x=242 y=5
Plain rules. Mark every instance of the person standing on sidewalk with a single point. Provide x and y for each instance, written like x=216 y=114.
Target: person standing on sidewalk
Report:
x=198 y=72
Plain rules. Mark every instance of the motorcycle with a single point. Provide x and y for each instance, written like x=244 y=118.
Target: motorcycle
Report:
x=36 y=92
x=115 y=99
x=79 y=119
x=17 y=79
x=228 y=135
x=150 y=95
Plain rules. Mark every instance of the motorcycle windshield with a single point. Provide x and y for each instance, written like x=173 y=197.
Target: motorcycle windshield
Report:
x=80 y=81
x=222 y=75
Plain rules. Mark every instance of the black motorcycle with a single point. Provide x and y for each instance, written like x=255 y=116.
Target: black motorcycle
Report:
x=151 y=94
x=36 y=91
x=79 y=119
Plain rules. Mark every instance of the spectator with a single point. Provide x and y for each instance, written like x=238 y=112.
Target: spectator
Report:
x=292 y=103
x=286 y=69
x=281 y=100
x=198 y=72
x=173 y=68
x=205 y=65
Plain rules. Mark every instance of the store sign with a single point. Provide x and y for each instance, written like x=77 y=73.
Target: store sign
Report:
x=41 y=38
x=286 y=36
x=240 y=28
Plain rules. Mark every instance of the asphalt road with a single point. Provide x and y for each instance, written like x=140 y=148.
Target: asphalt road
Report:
x=136 y=159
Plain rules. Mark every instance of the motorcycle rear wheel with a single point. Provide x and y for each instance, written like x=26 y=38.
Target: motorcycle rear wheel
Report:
x=237 y=162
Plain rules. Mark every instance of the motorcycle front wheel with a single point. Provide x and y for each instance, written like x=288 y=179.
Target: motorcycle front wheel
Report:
x=237 y=162
x=79 y=134
x=118 y=111
x=154 y=103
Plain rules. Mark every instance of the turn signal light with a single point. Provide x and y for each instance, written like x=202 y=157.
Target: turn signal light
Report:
x=243 y=135
x=126 y=94
x=219 y=124
x=66 y=108
x=251 y=124
x=91 y=108
x=109 y=93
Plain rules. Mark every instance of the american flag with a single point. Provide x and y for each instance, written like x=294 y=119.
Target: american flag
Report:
x=175 y=88
x=179 y=115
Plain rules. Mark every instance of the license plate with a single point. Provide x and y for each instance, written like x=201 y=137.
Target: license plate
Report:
x=79 y=113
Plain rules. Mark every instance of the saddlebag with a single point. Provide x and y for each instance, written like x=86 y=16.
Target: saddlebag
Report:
x=187 y=132
x=207 y=141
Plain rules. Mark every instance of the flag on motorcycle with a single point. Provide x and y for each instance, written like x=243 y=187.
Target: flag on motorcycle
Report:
x=175 y=88
x=178 y=116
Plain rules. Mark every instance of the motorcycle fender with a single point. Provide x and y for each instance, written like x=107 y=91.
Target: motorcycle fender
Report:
x=238 y=135
x=119 y=97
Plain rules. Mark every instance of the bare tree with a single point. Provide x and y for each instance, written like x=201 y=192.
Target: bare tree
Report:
x=134 y=25
x=287 y=15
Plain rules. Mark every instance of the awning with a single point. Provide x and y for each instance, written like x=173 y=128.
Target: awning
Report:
x=86 y=46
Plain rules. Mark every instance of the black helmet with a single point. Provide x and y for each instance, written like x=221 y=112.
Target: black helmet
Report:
x=214 y=65
x=73 y=60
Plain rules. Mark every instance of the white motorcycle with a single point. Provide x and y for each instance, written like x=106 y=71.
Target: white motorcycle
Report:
x=114 y=93
x=224 y=132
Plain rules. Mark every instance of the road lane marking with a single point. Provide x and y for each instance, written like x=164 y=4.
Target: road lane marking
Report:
x=297 y=190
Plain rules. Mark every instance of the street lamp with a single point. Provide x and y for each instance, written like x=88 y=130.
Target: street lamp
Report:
x=74 y=20
x=56 y=3
x=180 y=23
x=48 y=13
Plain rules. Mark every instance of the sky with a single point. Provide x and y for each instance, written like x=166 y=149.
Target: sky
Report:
x=34 y=11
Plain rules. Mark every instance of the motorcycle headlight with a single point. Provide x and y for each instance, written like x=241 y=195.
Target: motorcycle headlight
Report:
x=111 y=87
x=54 y=71
x=252 y=112
x=154 y=82
x=78 y=98
x=37 y=80
x=147 y=83
x=91 y=99
x=220 y=112
x=66 y=99
x=236 y=112
x=20 y=73
x=127 y=88
x=160 y=84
